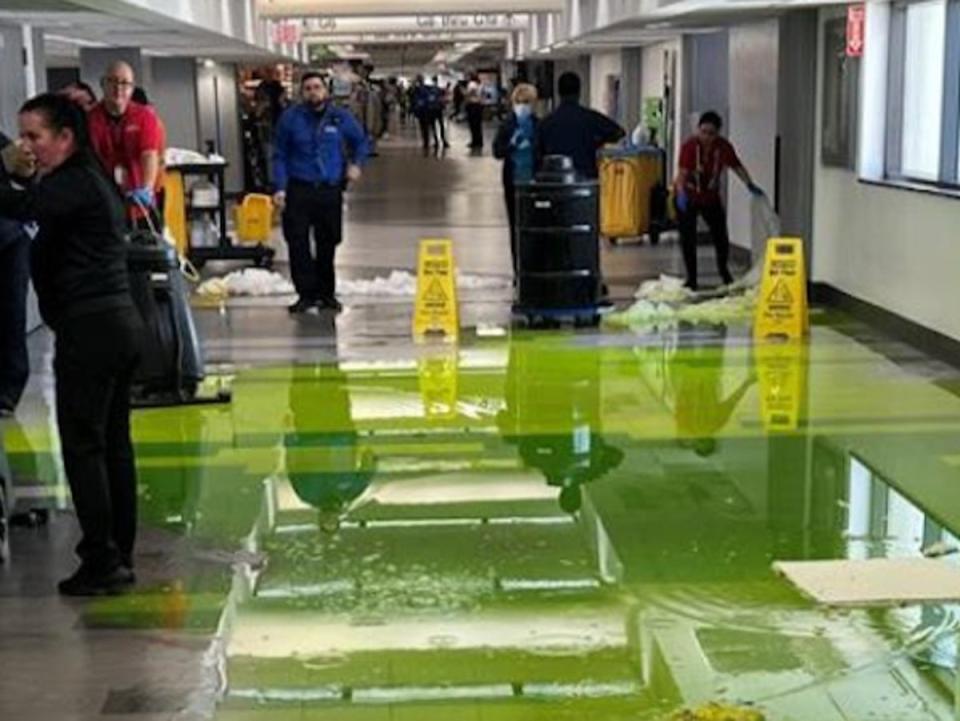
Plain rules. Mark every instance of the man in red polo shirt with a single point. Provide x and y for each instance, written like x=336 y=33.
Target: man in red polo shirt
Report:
x=126 y=137
x=703 y=160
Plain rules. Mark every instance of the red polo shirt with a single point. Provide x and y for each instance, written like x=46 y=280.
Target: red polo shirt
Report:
x=121 y=142
x=705 y=169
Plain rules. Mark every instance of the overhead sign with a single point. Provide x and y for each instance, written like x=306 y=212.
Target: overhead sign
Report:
x=289 y=32
x=380 y=8
x=436 y=310
x=477 y=22
x=856 y=30
x=782 y=311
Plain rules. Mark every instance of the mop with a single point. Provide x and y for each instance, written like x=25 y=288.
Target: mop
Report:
x=667 y=300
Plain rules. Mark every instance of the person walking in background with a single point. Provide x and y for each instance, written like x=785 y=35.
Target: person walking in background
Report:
x=516 y=146
x=82 y=94
x=319 y=148
x=703 y=160
x=420 y=106
x=576 y=131
x=473 y=99
x=458 y=98
x=14 y=278
x=79 y=267
x=437 y=103
x=127 y=138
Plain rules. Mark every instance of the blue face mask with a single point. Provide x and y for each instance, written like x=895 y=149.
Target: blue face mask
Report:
x=522 y=111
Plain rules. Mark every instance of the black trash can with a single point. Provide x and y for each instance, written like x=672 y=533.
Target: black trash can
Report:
x=558 y=228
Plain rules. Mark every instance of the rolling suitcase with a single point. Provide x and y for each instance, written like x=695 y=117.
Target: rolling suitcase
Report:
x=171 y=360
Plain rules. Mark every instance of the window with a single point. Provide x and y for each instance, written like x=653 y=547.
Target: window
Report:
x=923 y=70
x=841 y=83
x=924 y=94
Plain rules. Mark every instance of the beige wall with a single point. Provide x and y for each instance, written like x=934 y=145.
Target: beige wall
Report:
x=895 y=248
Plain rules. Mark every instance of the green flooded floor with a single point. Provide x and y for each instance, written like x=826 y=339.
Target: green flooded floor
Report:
x=552 y=527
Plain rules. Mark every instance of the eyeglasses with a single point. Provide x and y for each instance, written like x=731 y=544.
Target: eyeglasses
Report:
x=117 y=83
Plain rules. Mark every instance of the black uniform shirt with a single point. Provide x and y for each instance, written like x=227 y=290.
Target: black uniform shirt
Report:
x=79 y=257
x=579 y=133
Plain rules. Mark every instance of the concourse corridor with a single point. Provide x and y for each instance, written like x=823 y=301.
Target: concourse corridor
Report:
x=524 y=526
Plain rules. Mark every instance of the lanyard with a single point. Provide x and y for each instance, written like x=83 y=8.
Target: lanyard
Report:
x=317 y=136
x=714 y=183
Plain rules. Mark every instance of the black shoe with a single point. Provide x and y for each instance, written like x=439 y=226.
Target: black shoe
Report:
x=301 y=306
x=331 y=304
x=6 y=408
x=85 y=583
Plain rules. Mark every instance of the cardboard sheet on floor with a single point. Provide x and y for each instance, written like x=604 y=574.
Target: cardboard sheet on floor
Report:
x=885 y=581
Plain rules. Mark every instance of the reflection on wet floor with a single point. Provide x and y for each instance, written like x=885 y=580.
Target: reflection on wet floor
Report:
x=554 y=526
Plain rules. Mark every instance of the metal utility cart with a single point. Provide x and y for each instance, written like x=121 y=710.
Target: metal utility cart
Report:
x=260 y=255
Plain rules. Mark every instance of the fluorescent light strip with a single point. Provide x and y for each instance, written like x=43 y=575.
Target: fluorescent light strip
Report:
x=319 y=589
x=431 y=523
x=414 y=694
x=548 y=584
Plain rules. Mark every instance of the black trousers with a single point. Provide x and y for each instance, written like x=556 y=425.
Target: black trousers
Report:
x=716 y=219
x=475 y=120
x=14 y=277
x=439 y=123
x=428 y=130
x=313 y=216
x=94 y=364
x=510 y=198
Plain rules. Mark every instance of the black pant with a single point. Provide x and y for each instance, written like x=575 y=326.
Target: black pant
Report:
x=14 y=277
x=94 y=364
x=509 y=196
x=716 y=219
x=475 y=120
x=428 y=129
x=319 y=209
x=439 y=123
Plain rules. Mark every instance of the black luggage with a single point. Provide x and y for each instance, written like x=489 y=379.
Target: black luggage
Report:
x=171 y=360
x=558 y=243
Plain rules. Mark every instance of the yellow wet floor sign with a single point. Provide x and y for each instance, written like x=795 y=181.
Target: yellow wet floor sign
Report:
x=782 y=370
x=782 y=311
x=436 y=310
x=438 y=375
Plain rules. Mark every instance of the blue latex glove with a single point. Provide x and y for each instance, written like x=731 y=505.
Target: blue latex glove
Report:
x=683 y=202
x=143 y=197
x=756 y=190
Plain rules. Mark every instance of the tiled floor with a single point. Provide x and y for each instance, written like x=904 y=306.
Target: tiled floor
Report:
x=527 y=526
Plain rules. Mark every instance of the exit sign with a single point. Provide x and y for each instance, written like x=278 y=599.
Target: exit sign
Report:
x=856 y=30
x=288 y=33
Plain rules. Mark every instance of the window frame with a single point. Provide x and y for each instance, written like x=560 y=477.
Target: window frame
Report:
x=844 y=155
x=949 y=171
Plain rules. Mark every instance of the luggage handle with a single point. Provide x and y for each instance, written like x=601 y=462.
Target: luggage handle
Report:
x=151 y=214
x=188 y=269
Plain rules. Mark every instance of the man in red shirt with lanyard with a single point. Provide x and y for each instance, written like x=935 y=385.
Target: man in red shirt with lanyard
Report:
x=127 y=137
x=703 y=160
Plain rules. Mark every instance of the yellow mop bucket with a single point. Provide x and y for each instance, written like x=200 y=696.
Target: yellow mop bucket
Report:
x=255 y=218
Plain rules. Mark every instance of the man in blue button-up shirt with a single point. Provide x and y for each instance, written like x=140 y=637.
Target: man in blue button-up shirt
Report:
x=318 y=149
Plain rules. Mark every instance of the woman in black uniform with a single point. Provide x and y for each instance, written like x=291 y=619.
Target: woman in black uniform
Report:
x=78 y=265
